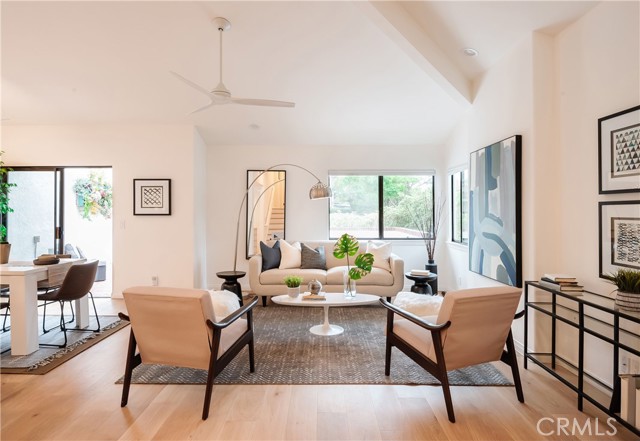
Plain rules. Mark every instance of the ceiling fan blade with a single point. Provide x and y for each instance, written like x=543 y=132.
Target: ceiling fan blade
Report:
x=267 y=103
x=211 y=103
x=190 y=83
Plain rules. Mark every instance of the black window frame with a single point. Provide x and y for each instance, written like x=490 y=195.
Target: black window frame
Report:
x=381 y=201
x=462 y=185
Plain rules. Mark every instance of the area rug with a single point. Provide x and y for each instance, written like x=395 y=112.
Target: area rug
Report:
x=45 y=359
x=287 y=353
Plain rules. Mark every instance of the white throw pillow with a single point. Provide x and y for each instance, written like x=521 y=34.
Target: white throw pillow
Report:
x=291 y=255
x=224 y=303
x=381 y=254
x=419 y=304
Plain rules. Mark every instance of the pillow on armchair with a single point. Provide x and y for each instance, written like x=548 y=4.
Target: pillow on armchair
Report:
x=224 y=303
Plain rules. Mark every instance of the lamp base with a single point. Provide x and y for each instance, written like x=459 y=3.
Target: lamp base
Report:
x=231 y=282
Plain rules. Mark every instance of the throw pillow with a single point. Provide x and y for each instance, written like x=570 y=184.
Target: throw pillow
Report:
x=313 y=259
x=224 y=303
x=291 y=255
x=270 y=255
x=381 y=254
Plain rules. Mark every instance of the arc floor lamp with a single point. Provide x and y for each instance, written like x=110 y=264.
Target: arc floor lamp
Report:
x=318 y=191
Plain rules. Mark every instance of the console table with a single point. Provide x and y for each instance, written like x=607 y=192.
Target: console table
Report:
x=591 y=314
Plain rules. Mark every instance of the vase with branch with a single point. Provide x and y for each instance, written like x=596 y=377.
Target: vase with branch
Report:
x=348 y=246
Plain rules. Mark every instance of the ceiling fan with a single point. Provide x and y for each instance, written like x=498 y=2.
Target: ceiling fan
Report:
x=222 y=95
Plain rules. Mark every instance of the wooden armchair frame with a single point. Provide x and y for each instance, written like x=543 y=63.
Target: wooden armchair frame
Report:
x=439 y=368
x=216 y=365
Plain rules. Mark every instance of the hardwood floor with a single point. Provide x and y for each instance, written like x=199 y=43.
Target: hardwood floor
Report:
x=79 y=401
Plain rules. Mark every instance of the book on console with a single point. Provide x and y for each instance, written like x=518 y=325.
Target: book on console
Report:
x=573 y=289
x=574 y=283
x=417 y=272
x=559 y=277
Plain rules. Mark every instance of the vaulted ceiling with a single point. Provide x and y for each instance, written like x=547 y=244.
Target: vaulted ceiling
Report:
x=359 y=72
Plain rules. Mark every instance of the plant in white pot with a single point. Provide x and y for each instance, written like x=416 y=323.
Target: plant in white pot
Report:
x=293 y=285
x=5 y=188
x=628 y=283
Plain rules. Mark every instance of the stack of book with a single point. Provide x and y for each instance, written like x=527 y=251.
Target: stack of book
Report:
x=561 y=282
x=418 y=272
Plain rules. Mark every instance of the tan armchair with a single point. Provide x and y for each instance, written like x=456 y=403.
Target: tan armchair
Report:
x=177 y=327
x=472 y=327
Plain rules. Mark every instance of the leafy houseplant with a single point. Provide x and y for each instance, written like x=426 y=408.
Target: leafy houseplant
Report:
x=293 y=281
x=293 y=285
x=347 y=246
x=94 y=196
x=5 y=188
x=628 y=283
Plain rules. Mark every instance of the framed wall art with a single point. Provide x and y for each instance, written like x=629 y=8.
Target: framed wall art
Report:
x=619 y=152
x=619 y=224
x=495 y=224
x=152 y=197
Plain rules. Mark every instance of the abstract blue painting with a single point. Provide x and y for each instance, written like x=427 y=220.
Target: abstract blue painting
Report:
x=495 y=239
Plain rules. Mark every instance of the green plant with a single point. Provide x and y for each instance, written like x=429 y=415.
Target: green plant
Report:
x=292 y=281
x=94 y=195
x=5 y=188
x=626 y=280
x=347 y=246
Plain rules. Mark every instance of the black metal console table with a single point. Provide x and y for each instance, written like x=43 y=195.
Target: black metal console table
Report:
x=591 y=314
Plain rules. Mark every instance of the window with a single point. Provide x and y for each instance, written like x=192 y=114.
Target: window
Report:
x=377 y=206
x=460 y=206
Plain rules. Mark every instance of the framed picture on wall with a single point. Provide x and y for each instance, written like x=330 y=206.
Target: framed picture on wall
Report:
x=619 y=152
x=495 y=224
x=619 y=224
x=152 y=197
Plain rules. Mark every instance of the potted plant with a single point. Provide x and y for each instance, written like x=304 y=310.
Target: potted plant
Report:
x=293 y=285
x=348 y=246
x=94 y=196
x=5 y=188
x=628 y=283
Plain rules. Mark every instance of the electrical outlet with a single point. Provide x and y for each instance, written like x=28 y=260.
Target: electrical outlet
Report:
x=459 y=282
x=36 y=239
x=154 y=280
x=624 y=364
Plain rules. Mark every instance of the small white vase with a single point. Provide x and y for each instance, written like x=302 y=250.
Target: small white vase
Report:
x=628 y=301
x=293 y=292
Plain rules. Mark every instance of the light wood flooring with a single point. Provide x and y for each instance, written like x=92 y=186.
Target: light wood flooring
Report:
x=79 y=401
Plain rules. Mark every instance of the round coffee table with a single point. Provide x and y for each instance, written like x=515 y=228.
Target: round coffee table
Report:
x=332 y=299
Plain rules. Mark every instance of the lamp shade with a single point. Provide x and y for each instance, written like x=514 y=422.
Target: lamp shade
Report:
x=320 y=191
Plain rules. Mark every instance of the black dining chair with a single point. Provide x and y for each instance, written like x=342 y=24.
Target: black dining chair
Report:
x=76 y=284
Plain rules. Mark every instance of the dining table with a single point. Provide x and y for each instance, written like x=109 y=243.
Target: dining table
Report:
x=22 y=277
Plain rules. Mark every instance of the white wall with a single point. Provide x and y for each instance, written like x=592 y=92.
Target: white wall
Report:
x=305 y=219
x=552 y=91
x=143 y=246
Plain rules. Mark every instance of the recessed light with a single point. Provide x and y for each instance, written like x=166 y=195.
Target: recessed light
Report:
x=469 y=51
x=254 y=126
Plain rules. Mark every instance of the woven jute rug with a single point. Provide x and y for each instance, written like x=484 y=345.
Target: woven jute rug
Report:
x=287 y=353
x=46 y=358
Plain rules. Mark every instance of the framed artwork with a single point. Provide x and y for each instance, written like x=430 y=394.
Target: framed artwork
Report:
x=152 y=197
x=495 y=223
x=619 y=224
x=619 y=152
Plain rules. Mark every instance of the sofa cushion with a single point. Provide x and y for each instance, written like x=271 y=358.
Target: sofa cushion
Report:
x=313 y=259
x=291 y=255
x=377 y=276
x=381 y=254
x=270 y=255
x=276 y=276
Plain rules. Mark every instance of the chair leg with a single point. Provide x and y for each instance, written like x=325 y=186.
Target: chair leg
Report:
x=128 y=370
x=447 y=396
x=4 y=322
x=441 y=367
x=387 y=359
x=252 y=360
x=95 y=311
x=44 y=317
x=513 y=362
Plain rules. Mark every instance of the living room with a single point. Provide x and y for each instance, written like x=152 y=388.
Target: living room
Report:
x=548 y=86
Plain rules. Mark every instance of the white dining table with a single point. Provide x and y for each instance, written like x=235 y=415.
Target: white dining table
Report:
x=23 y=278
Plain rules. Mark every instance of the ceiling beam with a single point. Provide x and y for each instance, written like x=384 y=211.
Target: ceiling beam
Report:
x=394 y=20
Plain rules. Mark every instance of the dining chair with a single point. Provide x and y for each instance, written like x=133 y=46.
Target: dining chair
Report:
x=5 y=303
x=472 y=327
x=77 y=283
x=178 y=327
x=55 y=277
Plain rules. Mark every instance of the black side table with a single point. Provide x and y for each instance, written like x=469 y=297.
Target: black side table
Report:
x=422 y=284
x=231 y=282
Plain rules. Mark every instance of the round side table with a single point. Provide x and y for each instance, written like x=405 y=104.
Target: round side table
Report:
x=421 y=284
x=231 y=281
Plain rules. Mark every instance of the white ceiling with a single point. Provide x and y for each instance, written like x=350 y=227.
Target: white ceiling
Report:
x=360 y=73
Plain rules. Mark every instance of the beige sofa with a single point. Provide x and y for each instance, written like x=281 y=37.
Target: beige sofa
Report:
x=379 y=282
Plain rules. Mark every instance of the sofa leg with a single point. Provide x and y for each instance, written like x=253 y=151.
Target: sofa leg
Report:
x=264 y=301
